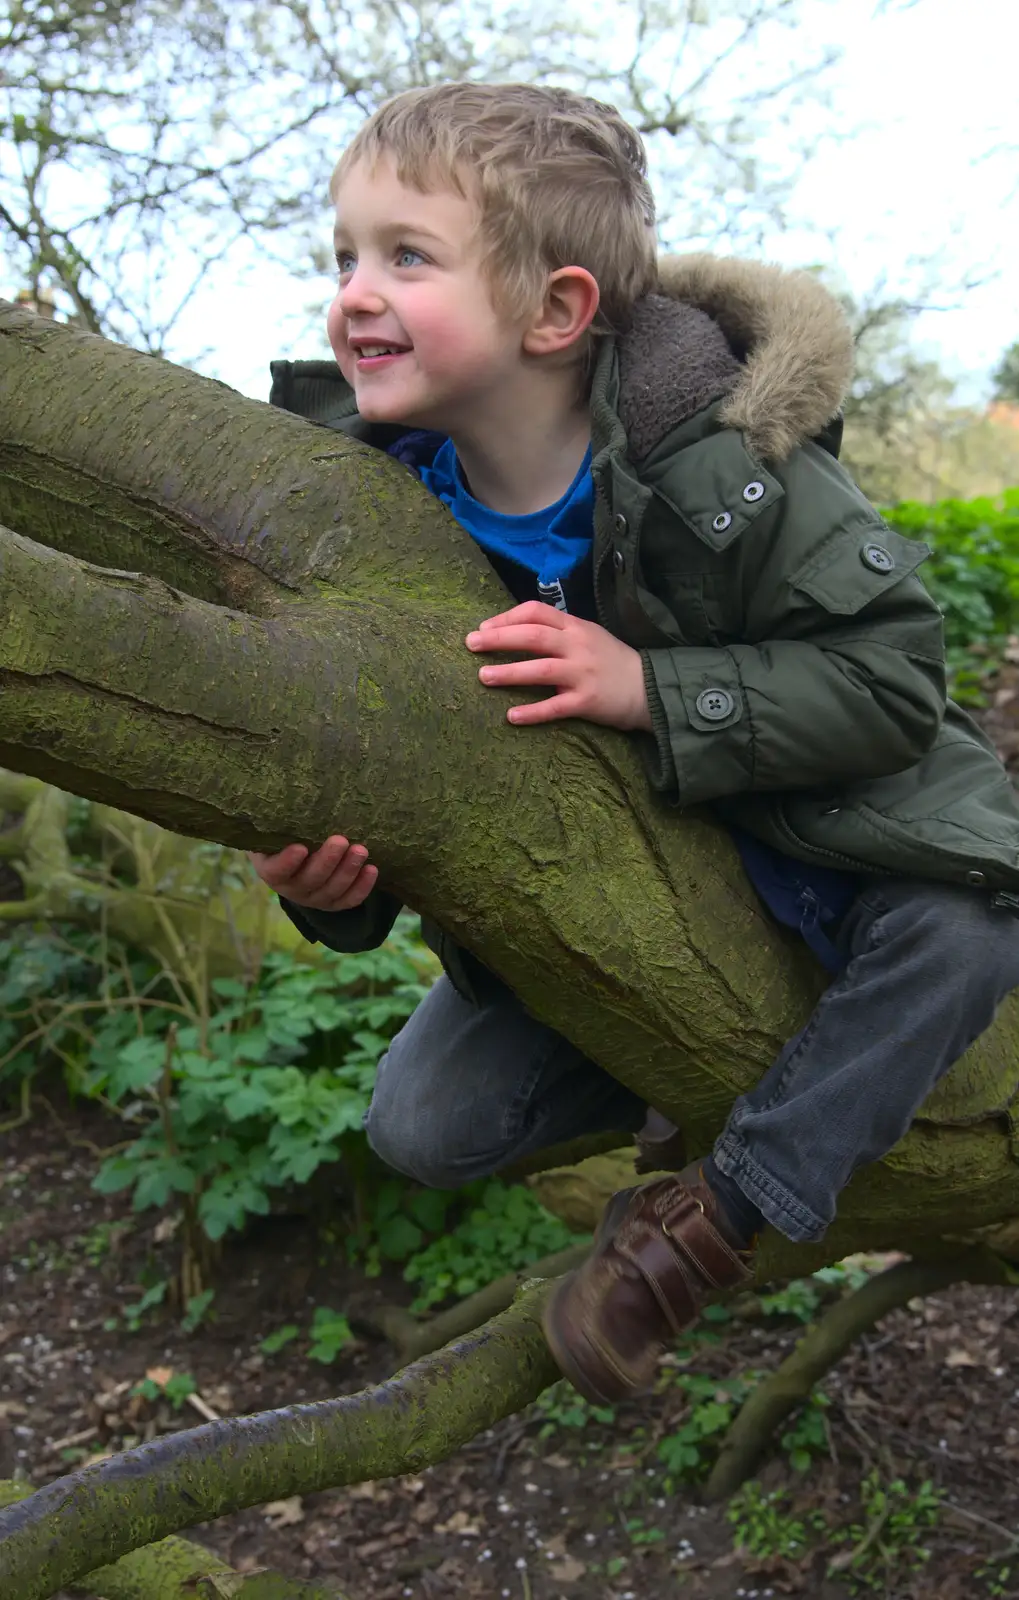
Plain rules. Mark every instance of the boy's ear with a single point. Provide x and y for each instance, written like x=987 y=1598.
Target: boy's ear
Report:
x=567 y=311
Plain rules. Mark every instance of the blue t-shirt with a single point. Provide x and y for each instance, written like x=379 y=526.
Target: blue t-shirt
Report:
x=550 y=542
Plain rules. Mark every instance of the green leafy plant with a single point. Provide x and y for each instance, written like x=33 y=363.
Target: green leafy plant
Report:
x=262 y=1094
x=175 y=1387
x=330 y=1333
x=687 y=1452
x=807 y=1434
x=134 y=1315
x=888 y=1543
x=562 y=1407
x=973 y=573
x=274 y=1342
x=763 y=1527
x=196 y=1310
x=504 y=1231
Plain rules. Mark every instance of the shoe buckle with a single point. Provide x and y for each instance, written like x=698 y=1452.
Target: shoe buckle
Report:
x=665 y=1226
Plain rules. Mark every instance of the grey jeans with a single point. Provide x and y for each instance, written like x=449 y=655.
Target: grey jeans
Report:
x=464 y=1089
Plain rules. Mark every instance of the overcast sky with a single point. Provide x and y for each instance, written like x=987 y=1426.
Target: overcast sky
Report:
x=932 y=88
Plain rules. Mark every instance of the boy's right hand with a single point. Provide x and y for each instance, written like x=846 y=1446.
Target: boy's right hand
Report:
x=335 y=877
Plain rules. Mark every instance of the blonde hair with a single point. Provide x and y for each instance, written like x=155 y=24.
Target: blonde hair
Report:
x=559 y=179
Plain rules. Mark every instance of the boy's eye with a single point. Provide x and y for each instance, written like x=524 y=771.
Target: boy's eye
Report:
x=407 y=256
x=344 y=262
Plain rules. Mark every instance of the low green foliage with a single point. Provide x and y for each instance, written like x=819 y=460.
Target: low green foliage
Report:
x=973 y=573
x=275 y=1342
x=714 y=1402
x=262 y=1094
x=880 y=1550
x=887 y=1543
x=807 y=1433
x=562 y=1407
x=504 y=1231
x=228 y=1104
x=330 y=1333
x=764 y=1528
x=175 y=1388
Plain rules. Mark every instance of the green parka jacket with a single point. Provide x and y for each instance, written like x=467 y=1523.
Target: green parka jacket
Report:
x=793 y=659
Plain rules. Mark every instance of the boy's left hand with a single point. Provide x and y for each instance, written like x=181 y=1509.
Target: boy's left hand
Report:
x=595 y=675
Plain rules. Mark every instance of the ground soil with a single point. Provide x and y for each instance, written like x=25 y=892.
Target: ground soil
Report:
x=535 y=1510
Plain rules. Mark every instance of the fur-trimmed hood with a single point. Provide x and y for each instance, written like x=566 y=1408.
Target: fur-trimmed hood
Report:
x=773 y=345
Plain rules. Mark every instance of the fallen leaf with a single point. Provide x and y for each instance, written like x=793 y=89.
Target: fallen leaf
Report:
x=569 y=1570
x=159 y=1375
x=459 y=1523
x=556 y=1461
x=284 y=1513
x=165 y=1230
x=960 y=1358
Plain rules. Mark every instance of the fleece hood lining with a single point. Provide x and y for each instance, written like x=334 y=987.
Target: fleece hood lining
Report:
x=773 y=345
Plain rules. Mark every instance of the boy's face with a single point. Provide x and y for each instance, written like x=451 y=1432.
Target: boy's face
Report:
x=413 y=326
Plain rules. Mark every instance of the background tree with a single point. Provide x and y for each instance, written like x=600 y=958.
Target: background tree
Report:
x=148 y=147
x=1006 y=376
x=908 y=436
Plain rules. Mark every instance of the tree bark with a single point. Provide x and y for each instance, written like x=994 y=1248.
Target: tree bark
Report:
x=420 y=1417
x=177 y=1569
x=241 y=626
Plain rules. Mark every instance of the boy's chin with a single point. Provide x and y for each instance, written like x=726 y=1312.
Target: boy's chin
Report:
x=375 y=408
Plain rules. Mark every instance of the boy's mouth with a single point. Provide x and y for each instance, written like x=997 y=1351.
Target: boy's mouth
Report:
x=372 y=356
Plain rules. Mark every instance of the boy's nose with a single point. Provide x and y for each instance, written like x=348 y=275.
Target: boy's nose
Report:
x=359 y=294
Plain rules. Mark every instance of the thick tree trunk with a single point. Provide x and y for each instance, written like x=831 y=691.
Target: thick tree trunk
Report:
x=292 y=662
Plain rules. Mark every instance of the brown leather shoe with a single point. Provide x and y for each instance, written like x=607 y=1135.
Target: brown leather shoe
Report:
x=661 y=1252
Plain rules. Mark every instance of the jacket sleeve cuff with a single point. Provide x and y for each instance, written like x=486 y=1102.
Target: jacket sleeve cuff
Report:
x=703 y=738
x=364 y=928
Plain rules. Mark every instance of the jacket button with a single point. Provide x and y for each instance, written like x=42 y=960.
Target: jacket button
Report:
x=877 y=558
x=619 y=561
x=721 y=522
x=977 y=879
x=715 y=705
x=753 y=491
x=620 y=524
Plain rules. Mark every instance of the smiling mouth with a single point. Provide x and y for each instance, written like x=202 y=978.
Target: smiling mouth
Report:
x=369 y=355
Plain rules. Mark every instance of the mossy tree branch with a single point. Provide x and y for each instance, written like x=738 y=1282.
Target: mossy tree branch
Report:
x=421 y=1416
x=176 y=1569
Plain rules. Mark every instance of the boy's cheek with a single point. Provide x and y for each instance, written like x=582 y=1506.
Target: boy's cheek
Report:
x=336 y=331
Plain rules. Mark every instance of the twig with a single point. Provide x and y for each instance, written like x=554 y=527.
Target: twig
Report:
x=413 y=1339
x=825 y=1344
x=1009 y=1535
x=846 y=1558
x=203 y=1408
x=72 y=1439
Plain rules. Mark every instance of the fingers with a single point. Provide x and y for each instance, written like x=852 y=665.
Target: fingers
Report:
x=529 y=611
x=554 y=709
x=534 y=638
x=511 y=674
x=335 y=877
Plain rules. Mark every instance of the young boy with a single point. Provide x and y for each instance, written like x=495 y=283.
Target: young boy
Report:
x=647 y=454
